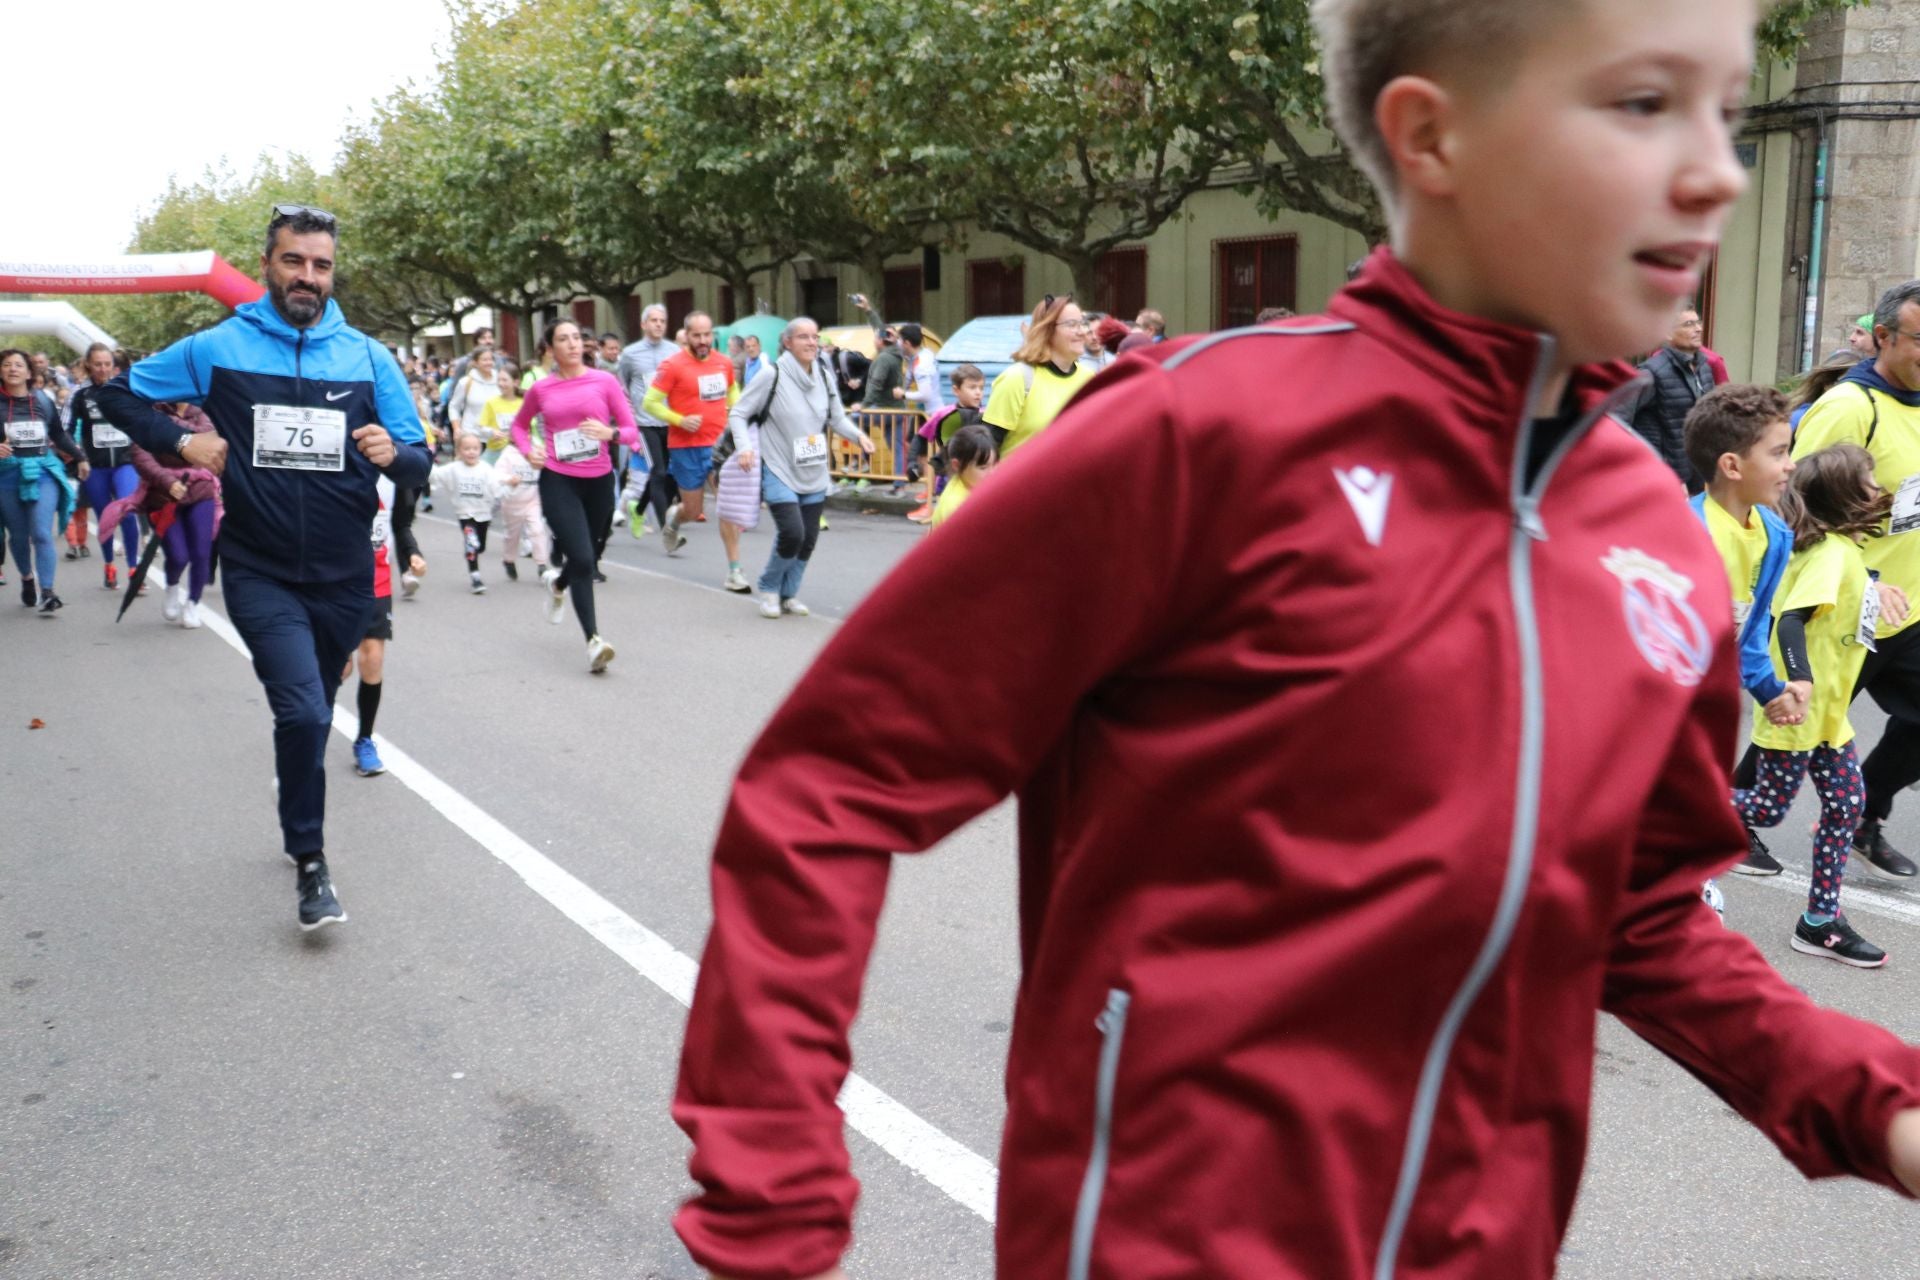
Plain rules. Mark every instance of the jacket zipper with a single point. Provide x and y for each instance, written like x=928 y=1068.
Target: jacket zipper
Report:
x=1527 y=529
x=1112 y=1023
x=300 y=398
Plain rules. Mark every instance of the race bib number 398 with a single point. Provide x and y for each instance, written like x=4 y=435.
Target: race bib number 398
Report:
x=296 y=439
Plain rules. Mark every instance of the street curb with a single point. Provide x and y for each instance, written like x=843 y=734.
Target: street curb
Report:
x=875 y=501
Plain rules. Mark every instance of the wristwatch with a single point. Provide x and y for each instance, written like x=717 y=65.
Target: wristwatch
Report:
x=180 y=445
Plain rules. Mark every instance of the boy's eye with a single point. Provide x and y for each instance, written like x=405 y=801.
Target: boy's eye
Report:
x=1643 y=104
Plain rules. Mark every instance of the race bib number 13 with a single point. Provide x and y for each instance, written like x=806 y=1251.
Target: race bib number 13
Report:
x=293 y=439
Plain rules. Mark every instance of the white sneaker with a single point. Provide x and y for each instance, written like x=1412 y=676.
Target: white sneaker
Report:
x=556 y=596
x=670 y=537
x=175 y=603
x=474 y=583
x=795 y=608
x=190 y=615
x=770 y=604
x=409 y=583
x=736 y=580
x=599 y=654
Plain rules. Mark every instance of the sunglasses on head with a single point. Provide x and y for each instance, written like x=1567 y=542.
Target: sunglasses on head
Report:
x=303 y=210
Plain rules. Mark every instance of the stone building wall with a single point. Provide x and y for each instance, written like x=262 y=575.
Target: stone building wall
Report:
x=1868 y=60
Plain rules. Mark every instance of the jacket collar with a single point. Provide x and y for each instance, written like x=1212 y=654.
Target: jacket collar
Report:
x=262 y=315
x=1481 y=360
x=1867 y=375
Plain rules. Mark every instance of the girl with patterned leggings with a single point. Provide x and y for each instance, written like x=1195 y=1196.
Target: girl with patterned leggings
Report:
x=1825 y=613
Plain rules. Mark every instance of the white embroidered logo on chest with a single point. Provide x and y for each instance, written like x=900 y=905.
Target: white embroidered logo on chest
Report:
x=1367 y=493
x=1664 y=626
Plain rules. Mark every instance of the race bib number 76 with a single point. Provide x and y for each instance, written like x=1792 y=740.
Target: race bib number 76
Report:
x=298 y=439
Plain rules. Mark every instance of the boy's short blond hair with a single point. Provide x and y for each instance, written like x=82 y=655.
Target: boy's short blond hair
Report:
x=1366 y=44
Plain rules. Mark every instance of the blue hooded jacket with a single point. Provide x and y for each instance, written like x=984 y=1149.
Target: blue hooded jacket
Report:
x=1756 y=635
x=300 y=526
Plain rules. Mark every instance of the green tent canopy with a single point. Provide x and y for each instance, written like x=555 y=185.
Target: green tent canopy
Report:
x=766 y=328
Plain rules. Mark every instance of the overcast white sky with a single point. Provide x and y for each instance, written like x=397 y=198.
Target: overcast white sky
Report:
x=118 y=94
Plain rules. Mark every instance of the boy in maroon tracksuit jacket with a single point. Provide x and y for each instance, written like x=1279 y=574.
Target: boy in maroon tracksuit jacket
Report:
x=1353 y=783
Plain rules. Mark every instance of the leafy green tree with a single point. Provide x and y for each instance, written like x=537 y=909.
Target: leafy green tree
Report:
x=1062 y=135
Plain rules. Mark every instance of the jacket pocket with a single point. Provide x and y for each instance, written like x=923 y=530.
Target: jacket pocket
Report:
x=1112 y=1023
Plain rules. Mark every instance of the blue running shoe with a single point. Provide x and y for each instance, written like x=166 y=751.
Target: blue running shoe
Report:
x=366 y=759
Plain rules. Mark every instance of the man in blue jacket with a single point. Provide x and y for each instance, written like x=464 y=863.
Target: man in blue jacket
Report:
x=312 y=412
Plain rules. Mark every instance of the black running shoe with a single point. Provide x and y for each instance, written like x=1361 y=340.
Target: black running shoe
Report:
x=1759 y=862
x=513 y=574
x=1870 y=844
x=1836 y=940
x=49 y=602
x=599 y=576
x=29 y=594
x=318 y=906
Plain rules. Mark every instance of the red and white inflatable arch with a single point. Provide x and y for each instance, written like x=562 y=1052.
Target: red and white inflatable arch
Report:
x=203 y=272
x=61 y=319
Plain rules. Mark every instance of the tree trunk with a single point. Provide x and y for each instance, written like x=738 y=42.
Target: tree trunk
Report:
x=1082 y=265
x=873 y=281
x=741 y=282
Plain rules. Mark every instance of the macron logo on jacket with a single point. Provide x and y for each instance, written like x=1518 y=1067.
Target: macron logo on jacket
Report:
x=1367 y=492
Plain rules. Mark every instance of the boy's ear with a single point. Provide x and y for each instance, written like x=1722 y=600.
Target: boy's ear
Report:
x=1415 y=118
x=1728 y=466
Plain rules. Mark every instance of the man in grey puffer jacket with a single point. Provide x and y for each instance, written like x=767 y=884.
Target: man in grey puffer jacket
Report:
x=1681 y=376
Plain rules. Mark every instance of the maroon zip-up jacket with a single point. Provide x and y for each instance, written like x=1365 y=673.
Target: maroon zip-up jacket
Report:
x=1357 y=774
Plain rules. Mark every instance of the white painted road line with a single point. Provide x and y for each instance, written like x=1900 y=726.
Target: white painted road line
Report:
x=1872 y=902
x=949 y=1165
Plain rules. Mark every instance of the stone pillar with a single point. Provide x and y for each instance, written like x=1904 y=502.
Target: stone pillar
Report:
x=1865 y=61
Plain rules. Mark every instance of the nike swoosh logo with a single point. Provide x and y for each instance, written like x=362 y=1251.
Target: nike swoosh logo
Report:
x=335 y=395
x=1367 y=492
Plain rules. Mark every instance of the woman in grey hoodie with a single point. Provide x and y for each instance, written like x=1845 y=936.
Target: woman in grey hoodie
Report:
x=795 y=409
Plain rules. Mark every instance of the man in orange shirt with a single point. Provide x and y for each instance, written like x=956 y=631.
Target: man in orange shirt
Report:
x=691 y=393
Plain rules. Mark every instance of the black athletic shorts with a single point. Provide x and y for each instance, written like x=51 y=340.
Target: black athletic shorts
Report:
x=380 y=625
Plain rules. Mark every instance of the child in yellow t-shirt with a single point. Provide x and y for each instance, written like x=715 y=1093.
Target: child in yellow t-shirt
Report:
x=970 y=456
x=1824 y=618
x=1739 y=439
x=497 y=417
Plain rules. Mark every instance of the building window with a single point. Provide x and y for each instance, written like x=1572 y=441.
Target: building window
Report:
x=1709 y=285
x=506 y=333
x=632 y=317
x=996 y=287
x=820 y=300
x=583 y=316
x=900 y=295
x=727 y=313
x=679 y=302
x=1255 y=275
x=1120 y=283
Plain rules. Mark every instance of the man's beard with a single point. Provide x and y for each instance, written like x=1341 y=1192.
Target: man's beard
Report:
x=302 y=306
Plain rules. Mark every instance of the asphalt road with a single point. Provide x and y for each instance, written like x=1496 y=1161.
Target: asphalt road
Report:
x=471 y=1078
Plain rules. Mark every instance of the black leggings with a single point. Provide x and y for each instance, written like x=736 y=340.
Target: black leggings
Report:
x=404 y=501
x=661 y=490
x=796 y=528
x=578 y=510
x=475 y=532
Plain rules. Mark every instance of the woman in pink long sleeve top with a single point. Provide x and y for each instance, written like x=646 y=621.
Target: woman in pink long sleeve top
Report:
x=581 y=411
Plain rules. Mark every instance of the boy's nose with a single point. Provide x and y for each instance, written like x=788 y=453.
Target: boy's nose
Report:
x=1715 y=176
